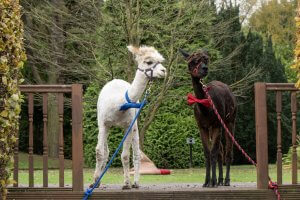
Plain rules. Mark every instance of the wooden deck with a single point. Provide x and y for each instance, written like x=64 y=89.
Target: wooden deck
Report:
x=158 y=191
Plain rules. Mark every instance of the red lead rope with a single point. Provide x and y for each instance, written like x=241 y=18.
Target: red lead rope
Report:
x=191 y=98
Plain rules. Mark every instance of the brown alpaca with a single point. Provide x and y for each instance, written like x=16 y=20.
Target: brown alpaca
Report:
x=208 y=123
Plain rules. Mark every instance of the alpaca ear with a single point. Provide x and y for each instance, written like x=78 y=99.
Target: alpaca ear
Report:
x=134 y=50
x=185 y=54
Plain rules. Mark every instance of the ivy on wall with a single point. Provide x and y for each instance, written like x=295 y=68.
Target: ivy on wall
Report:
x=12 y=56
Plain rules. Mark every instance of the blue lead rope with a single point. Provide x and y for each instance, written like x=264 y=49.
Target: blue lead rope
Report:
x=89 y=191
x=129 y=104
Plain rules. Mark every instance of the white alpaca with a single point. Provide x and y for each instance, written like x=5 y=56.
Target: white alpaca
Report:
x=111 y=97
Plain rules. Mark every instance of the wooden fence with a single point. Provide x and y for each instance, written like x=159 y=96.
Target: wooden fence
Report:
x=262 y=131
x=77 y=148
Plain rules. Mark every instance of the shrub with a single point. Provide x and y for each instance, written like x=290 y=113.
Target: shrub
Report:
x=91 y=129
x=11 y=61
x=287 y=158
x=165 y=140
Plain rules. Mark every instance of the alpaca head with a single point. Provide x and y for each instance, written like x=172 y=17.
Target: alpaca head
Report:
x=197 y=63
x=149 y=61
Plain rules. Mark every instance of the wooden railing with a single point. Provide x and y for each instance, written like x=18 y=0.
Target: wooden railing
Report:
x=77 y=148
x=262 y=131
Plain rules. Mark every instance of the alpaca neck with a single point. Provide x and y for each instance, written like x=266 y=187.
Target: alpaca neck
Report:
x=200 y=94
x=137 y=86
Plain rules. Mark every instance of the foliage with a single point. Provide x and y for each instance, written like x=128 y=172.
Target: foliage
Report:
x=287 y=158
x=296 y=65
x=275 y=19
x=254 y=54
x=174 y=122
x=237 y=59
x=12 y=56
x=175 y=25
x=91 y=129
x=60 y=40
x=61 y=47
x=166 y=137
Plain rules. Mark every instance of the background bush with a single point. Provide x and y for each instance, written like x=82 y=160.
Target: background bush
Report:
x=165 y=141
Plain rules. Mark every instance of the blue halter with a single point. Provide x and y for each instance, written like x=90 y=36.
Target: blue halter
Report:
x=130 y=104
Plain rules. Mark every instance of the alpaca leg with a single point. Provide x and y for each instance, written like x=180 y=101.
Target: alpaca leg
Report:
x=101 y=157
x=136 y=156
x=229 y=154
x=215 y=150
x=220 y=165
x=205 y=140
x=125 y=161
x=106 y=154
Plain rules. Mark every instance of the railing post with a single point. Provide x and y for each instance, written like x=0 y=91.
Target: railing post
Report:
x=261 y=135
x=45 y=140
x=279 y=143
x=30 y=147
x=77 y=150
x=61 y=139
x=294 y=136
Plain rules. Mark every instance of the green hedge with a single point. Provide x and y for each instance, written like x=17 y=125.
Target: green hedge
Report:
x=165 y=140
x=91 y=129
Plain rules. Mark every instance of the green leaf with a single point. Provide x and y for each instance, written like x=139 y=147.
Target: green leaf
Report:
x=4 y=113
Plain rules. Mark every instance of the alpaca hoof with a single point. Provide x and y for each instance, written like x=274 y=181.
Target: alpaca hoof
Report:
x=135 y=186
x=92 y=185
x=213 y=184
x=126 y=187
x=220 y=182
x=227 y=182
x=206 y=184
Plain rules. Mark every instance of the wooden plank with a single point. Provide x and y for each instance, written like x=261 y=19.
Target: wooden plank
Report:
x=281 y=86
x=45 y=140
x=61 y=138
x=38 y=189
x=261 y=135
x=288 y=192
x=135 y=194
x=30 y=148
x=279 y=147
x=77 y=148
x=45 y=88
x=294 y=137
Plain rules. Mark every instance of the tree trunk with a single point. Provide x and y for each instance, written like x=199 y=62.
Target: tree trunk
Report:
x=53 y=126
x=57 y=46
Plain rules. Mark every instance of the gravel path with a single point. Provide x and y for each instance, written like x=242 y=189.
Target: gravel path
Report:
x=175 y=187
x=164 y=187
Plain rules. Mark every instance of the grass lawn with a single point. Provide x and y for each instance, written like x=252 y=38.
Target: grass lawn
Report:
x=241 y=173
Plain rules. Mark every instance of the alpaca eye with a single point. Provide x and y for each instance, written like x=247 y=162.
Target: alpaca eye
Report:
x=149 y=63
